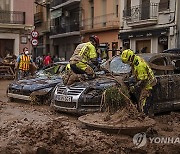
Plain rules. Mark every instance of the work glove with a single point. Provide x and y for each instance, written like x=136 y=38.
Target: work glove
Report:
x=89 y=77
x=132 y=80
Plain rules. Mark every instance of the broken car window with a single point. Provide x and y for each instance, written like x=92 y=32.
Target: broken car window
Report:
x=118 y=67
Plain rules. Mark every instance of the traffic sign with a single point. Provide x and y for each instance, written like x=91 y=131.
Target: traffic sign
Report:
x=34 y=34
x=34 y=42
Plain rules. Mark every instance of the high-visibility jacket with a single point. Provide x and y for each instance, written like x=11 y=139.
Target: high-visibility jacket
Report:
x=24 y=62
x=142 y=71
x=83 y=55
x=68 y=67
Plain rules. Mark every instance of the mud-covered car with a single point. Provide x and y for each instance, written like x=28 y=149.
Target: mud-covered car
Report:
x=172 y=51
x=83 y=97
x=39 y=86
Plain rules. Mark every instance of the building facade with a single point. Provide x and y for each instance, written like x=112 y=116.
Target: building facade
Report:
x=101 y=18
x=65 y=31
x=149 y=25
x=42 y=26
x=16 y=22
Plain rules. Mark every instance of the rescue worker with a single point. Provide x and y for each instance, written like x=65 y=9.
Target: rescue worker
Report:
x=23 y=64
x=143 y=74
x=83 y=61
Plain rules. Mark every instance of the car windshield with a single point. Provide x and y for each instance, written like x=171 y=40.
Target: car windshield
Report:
x=118 y=67
x=52 y=71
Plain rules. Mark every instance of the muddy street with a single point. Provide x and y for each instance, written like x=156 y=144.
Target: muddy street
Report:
x=33 y=129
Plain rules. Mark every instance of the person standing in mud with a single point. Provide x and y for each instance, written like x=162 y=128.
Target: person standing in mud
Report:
x=83 y=61
x=23 y=64
x=143 y=74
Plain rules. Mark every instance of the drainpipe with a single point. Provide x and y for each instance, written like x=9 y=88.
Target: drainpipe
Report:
x=177 y=21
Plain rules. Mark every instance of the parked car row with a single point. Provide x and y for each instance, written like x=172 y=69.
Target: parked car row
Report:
x=84 y=97
x=39 y=85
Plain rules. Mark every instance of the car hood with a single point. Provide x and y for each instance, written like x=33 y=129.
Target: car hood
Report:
x=36 y=83
x=98 y=83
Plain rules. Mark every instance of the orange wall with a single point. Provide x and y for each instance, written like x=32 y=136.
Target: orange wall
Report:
x=110 y=35
x=106 y=37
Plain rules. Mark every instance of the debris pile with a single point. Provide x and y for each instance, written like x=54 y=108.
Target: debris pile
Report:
x=119 y=113
x=7 y=67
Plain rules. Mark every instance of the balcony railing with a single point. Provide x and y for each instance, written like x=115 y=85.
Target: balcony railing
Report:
x=57 y=2
x=12 y=17
x=141 y=13
x=38 y=17
x=64 y=28
x=105 y=21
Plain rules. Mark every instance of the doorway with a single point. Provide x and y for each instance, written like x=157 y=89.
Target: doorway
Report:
x=6 y=47
x=143 y=46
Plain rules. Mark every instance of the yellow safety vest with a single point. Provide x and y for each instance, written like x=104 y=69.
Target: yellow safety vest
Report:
x=83 y=54
x=24 y=62
x=142 y=71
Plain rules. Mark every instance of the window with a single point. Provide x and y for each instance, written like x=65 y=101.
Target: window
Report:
x=175 y=61
x=163 y=5
x=158 y=66
x=127 y=9
x=117 y=10
x=5 y=5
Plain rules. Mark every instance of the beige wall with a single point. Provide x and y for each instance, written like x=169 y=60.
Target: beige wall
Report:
x=165 y=18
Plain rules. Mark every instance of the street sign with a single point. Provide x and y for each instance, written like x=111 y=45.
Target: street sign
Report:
x=34 y=42
x=34 y=34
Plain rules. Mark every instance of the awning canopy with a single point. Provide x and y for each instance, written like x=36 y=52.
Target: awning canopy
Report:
x=141 y=33
x=56 y=13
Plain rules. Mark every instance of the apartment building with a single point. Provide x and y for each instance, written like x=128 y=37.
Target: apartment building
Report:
x=42 y=26
x=150 y=25
x=65 y=31
x=16 y=22
x=101 y=18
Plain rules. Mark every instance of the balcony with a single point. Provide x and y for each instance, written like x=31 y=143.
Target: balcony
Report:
x=12 y=17
x=55 y=4
x=45 y=27
x=100 y=23
x=140 y=16
x=65 y=29
x=38 y=18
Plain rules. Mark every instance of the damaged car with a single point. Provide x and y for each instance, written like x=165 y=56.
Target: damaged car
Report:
x=37 y=88
x=84 y=97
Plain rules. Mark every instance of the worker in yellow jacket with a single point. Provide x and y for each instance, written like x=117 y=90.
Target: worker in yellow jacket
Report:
x=23 y=64
x=143 y=73
x=83 y=61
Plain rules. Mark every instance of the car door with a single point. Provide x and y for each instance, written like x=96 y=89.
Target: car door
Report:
x=175 y=86
x=161 y=93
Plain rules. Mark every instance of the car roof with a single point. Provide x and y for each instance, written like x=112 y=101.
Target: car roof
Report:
x=61 y=62
x=174 y=50
x=148 y=56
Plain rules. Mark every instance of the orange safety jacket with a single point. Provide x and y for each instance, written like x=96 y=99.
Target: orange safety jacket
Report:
x=24 y=62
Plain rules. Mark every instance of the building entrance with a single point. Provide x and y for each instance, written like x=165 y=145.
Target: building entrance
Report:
x=143 y=46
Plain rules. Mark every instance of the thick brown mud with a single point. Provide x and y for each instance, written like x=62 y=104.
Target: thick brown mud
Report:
x=33 y=129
